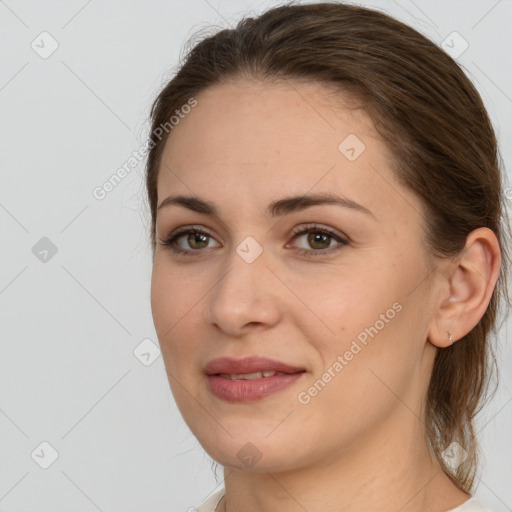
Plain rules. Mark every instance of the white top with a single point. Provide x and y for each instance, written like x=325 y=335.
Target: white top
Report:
x=470 y=505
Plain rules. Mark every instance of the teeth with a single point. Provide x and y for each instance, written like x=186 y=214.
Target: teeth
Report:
x=247 y=376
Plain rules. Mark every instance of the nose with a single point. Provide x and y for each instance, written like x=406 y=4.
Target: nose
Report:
x=245 y=297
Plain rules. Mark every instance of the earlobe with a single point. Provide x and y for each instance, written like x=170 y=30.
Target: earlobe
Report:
x=442 y=339
x=470 y=283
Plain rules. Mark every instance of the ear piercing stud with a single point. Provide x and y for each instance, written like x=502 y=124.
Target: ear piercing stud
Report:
x=450 y=337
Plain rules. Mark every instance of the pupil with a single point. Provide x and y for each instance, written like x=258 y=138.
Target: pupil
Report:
x=194 y=238
x=315 y=238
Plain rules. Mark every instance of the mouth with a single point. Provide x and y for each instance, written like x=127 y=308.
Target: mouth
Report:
x=250 y=378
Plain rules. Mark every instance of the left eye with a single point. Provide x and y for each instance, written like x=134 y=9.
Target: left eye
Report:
x=318 y=239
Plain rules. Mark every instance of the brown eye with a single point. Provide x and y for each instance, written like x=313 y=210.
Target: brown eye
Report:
x=318 y=240
x=189 y=241
x=197 y=240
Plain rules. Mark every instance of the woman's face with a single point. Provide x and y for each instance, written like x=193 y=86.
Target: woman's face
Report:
x=333 y=293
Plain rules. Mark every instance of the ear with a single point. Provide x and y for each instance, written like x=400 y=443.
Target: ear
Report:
x=466 y=288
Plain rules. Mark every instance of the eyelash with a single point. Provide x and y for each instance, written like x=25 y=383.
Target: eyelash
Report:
x=310 y=228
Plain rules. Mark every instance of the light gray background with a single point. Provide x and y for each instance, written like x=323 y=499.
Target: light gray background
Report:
x=69 y=326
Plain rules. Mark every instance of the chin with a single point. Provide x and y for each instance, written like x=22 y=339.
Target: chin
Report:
x=251 y=452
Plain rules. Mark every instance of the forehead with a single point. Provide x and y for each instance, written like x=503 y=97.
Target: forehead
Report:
x=261 y=140
x=261 y=121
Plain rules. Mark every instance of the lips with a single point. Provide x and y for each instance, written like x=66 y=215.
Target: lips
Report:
x=228 y=365
x=249 y=379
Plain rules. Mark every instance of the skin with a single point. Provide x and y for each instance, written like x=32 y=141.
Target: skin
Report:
x=359 y=443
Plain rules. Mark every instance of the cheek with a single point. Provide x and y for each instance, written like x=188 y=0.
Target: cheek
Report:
x=174 y=293
x=173 y=305
x=375 y=359
x=345 y=304
x=357 y=382
x=176 y=337
x=369 y=319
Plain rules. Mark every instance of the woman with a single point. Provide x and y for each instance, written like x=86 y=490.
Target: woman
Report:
x=328 y=235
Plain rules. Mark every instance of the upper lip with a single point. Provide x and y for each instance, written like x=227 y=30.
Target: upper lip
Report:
x=248 y=365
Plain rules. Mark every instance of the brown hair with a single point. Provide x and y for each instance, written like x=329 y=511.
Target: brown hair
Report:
x=443 y=145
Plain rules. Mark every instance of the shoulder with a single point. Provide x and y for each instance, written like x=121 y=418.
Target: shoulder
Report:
x=470 y=505
x=210 y=504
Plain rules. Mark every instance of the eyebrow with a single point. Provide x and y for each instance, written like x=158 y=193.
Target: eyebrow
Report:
x=274 y=209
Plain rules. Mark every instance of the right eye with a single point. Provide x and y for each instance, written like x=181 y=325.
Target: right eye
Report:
x=194 y=240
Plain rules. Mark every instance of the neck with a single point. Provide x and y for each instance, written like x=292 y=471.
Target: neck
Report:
x=391 y=469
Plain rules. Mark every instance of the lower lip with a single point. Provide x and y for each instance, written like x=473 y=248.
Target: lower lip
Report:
x=250 y=389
